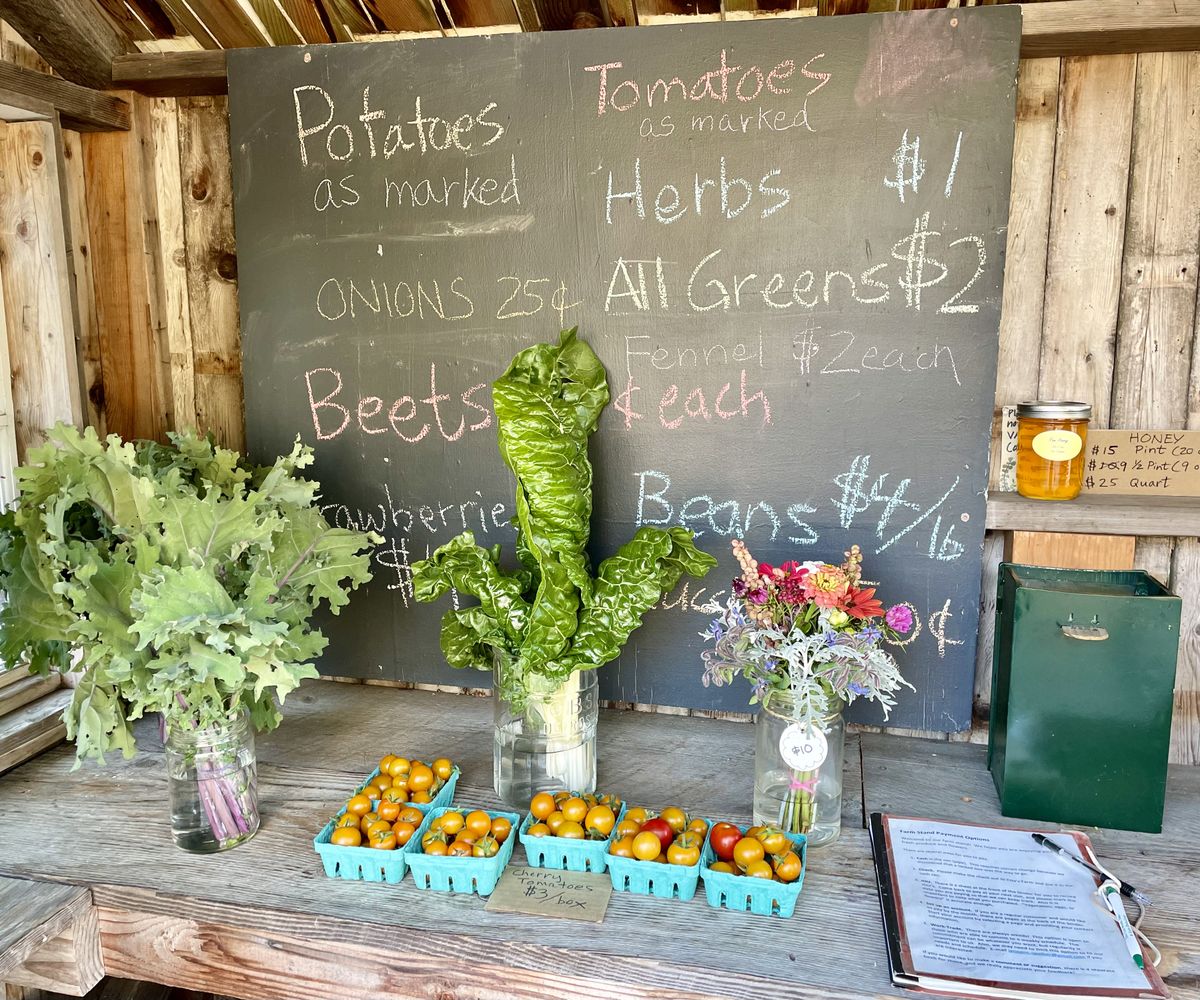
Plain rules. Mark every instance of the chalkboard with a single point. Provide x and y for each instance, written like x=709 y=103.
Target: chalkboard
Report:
x=785 y=240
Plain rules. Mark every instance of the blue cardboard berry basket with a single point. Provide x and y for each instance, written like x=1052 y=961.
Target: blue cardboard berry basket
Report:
x=765 y=897
x=565 y=854
x=477 y=875
x=366 y=863
x=657 y=878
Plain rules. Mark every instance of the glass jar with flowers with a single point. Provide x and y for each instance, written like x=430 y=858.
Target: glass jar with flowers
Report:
x=810 y=640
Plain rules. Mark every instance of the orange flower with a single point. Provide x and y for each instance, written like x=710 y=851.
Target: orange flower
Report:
x=863 y=603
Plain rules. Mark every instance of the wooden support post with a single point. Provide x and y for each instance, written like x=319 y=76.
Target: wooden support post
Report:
x=126 y=262
x=76 y=39
x=36 y=286
x=212 y=267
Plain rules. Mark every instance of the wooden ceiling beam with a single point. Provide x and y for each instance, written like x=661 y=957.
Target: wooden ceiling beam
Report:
x=1102 y=27
x=172 y=74
x=75 y=38
x=1056 y=28
x=79 y=108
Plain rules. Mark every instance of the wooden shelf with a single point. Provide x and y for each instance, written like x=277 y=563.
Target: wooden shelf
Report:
x=1096 y=515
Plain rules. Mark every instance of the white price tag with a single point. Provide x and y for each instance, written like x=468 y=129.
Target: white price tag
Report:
x=802 y=747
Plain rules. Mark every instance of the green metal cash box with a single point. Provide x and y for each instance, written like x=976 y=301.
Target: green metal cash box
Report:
x=1082 y=689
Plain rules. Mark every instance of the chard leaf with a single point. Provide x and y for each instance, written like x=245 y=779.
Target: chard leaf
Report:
x=469 y=637
x=629 y=584
x=547 y=404
x=471 y=569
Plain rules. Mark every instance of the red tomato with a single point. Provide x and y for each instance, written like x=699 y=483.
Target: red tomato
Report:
x=722 y=838
x=661 y=829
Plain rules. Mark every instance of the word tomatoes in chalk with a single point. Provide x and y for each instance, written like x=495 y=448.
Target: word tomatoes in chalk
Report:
x=758 y=852
x=671 y=837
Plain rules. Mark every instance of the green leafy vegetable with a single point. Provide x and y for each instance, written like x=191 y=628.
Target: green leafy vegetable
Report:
x=177 y=578
x=551 y=618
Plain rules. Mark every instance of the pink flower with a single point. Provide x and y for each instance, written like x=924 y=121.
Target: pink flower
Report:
x=900 y=618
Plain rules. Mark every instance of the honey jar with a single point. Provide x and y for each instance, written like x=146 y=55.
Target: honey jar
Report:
x=1051 y=434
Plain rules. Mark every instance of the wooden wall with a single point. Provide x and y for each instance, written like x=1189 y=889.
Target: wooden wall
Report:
x=1099 y=301
x=1100 y=291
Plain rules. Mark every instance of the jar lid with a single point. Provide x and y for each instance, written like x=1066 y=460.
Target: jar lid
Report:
x=1054 y=409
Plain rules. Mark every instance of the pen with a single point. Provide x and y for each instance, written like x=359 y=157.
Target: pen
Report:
x=1125 y=888
x=1112 y=900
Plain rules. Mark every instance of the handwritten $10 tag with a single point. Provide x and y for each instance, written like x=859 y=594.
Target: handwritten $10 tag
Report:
x=546 y=893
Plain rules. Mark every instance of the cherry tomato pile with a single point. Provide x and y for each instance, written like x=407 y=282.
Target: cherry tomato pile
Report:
x=670 y=836
x=473 y=835
x=391 y=823
x=759 y=852
x=576 y=817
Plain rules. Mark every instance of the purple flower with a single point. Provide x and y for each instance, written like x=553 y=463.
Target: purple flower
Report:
x=900 y=618
x=831 y=639
x=739 y=587
x=758 y=596
x=857 y=689
x=870 y=634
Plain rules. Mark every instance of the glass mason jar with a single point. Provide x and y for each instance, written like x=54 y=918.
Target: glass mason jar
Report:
x=212 y=776
x=547 y=740
x=1051 y=436
x=798 y=773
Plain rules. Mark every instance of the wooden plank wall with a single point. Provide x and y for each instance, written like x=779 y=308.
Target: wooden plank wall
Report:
x=1099 y=300
x=1100 y=289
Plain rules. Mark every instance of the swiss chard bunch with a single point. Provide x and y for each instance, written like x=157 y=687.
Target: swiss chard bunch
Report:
x=181 y=577
x=552 y=616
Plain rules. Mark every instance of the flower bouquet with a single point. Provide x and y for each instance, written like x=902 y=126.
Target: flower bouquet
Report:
x=809 y=637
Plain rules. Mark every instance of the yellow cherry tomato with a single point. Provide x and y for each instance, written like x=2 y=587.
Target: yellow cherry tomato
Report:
x=628 y=828
x=599 y=821
x=575 y=810
x=747 y=851
x=346 y=836
x=675 y=818
x=788 y=866
x=759 y=869
x=646 y=846
x=543 y=805
x=539 y=830
x=451 y=822
x=622 y=847
x=478 y=823
x=358 y=805
x=723 y=866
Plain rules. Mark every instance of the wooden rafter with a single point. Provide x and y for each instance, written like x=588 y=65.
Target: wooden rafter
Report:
x=76 y=39
x=80 y=108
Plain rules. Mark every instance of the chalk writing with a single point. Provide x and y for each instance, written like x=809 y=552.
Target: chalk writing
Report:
x=909 y=167
x=315 y=111
x=331 y=415
x=690 y=404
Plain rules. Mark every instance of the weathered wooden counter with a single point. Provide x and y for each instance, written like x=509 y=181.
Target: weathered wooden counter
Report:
x=264 y=921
